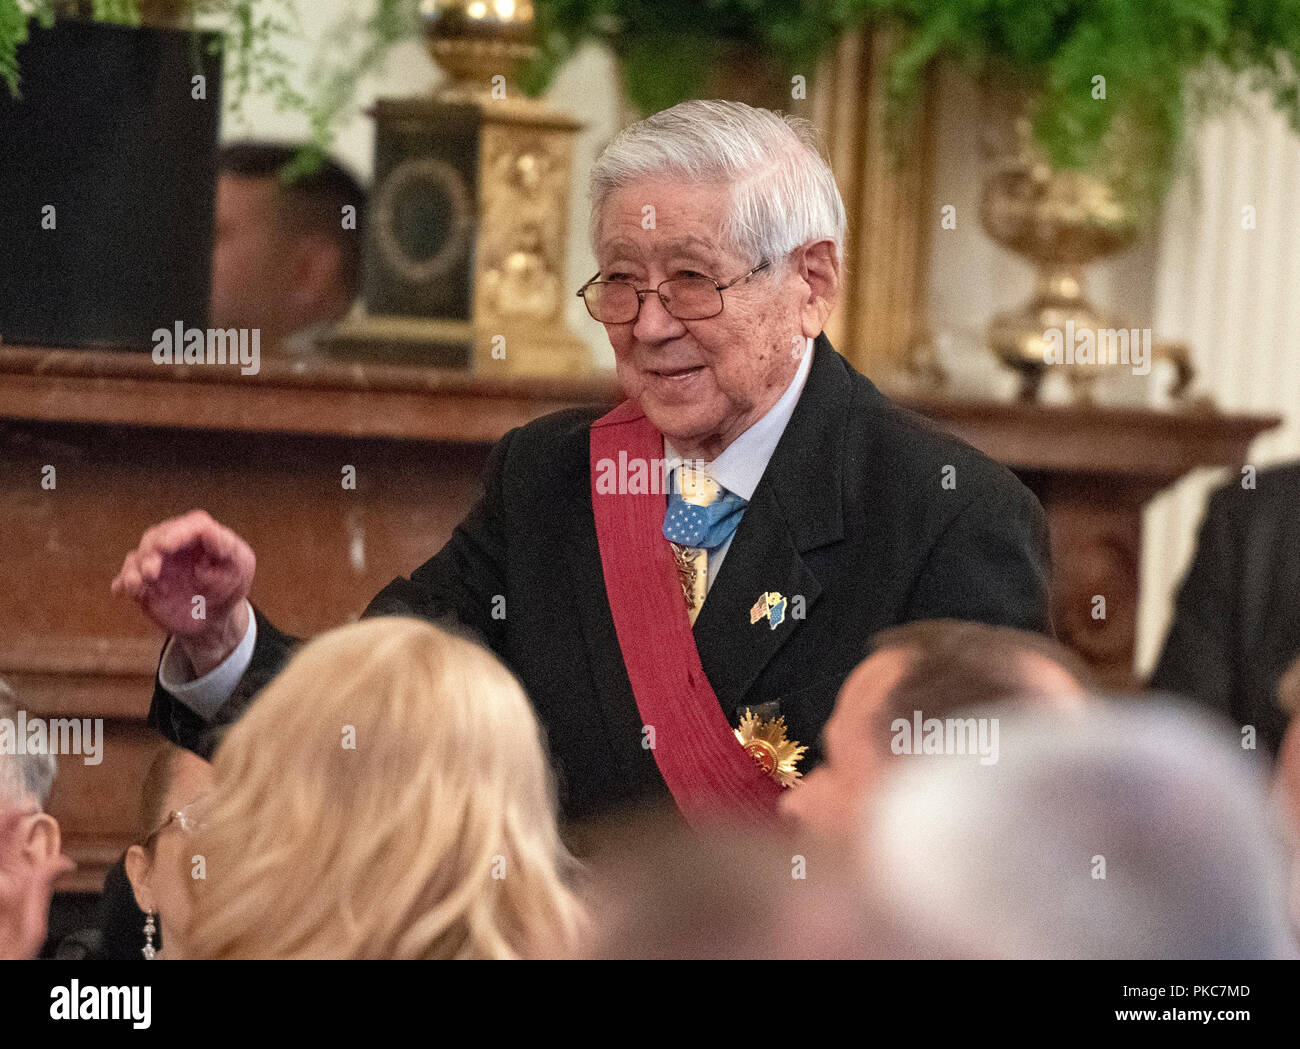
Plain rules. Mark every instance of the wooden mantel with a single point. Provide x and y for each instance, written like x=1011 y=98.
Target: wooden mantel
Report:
x=285 y=396
x=1106 y=442
x=1094 y=470
x=132 y=442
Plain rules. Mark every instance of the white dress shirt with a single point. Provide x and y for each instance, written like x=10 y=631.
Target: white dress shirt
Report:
x=740 y=466
x=738 y=469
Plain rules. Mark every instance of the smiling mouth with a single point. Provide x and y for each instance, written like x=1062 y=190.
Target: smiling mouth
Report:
x=676 y=373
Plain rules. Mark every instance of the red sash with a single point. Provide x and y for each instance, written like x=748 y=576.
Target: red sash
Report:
x=707 y=770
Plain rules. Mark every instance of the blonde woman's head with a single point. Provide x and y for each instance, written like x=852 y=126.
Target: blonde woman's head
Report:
x=386 y=796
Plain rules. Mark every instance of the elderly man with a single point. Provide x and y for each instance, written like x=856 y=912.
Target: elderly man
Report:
x=724 y=541
x=31 y=853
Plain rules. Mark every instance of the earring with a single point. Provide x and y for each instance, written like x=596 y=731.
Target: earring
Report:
x=149 y=929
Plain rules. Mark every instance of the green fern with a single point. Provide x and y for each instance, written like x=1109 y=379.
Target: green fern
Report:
x=1164 y=61
x=119 y=12
x=351 y=50
x=15 y=18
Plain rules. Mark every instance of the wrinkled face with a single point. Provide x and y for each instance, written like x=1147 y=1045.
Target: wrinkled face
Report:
x=162 y=881
x=702 y=383
x=249 y=270
x=828 y=802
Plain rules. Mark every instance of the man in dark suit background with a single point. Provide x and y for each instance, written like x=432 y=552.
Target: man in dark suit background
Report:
x=719 y=232
x=1236 y=624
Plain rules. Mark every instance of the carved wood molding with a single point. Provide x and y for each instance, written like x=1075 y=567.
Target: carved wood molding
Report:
x=69 y=676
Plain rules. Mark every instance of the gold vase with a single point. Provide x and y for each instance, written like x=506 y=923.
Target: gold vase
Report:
x=471 y=40
x=1061 y=221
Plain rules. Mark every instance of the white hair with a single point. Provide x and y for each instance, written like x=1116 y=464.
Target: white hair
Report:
x=23 y=776
x=1132 y=830
x=783 y=193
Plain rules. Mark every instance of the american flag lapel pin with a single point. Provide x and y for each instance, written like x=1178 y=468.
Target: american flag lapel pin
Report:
x=769 y=606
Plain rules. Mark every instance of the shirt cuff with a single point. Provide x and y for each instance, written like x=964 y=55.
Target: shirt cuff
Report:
x=205 y=695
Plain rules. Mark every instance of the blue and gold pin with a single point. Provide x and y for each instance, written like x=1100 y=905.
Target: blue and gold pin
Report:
x=769 y=606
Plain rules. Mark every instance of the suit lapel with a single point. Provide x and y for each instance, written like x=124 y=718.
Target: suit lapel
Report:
x=797 y=507
x=762 y=558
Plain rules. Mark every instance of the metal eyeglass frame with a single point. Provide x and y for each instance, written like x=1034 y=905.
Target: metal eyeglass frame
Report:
x=188 y=823
x=641 y=293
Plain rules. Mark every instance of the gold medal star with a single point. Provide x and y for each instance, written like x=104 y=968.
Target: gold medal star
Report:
x=766 y=743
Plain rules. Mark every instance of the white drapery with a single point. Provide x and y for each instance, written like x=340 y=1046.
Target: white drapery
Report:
x=1231 y=292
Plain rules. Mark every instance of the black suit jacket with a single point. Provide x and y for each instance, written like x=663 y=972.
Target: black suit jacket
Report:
x=1236 y=624
x=852 y=514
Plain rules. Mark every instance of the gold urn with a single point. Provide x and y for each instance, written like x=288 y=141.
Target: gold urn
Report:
x=469 y=39
x=1060 y=220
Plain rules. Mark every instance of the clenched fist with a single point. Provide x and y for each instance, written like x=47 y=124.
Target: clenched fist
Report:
x=185 y=558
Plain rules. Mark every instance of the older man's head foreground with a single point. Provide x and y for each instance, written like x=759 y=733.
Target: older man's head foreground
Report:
x=31 y=850
x=1126 y=830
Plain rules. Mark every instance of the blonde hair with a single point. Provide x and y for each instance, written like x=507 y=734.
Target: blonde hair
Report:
x=430 y=833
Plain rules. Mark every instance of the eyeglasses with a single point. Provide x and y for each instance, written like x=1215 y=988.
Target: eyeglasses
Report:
x=188 y=819
x=686 y=298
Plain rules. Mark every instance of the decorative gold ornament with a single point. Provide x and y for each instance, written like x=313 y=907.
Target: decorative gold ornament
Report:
x=473 y=39
x=1061 y=221
x=469 y=225
x=766 y=743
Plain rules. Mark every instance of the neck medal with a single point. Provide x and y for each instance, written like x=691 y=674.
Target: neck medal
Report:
x=765 y=742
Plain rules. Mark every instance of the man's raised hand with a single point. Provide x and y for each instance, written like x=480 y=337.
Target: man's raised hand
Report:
x=191 y=576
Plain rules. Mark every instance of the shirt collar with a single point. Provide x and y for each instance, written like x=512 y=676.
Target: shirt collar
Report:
x=740 y=466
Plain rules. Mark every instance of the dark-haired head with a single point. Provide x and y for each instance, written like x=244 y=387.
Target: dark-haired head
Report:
x=289 y=240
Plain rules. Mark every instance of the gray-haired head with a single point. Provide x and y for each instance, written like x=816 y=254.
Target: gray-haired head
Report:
x=783 y=192
x=23 y=777
x=1134 y=829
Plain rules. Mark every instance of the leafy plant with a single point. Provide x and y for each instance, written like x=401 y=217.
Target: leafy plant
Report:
x=15 y=16
x=340 y=67
x=1161 y=60
x=665 y=47
x=255 y=33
